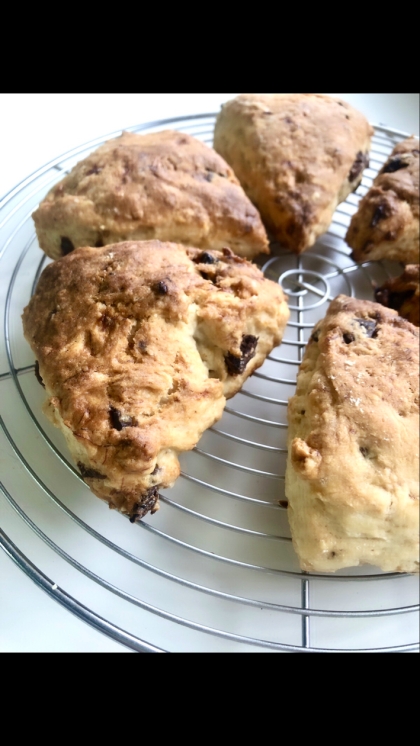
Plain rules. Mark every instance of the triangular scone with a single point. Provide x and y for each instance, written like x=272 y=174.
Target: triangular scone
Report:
x=297 y=156
x=163 y=185
x=138 y=345
x=352 y=477
x=386 y=224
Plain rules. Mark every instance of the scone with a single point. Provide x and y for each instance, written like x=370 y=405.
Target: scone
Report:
x=163 y=185
x=403 y=294
x=138 y=345
x=386 y=224
x=297 y=156
x=352 y=476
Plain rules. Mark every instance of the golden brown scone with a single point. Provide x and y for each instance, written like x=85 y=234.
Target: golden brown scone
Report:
x=403 y=294
x=164 y=185
x=386 y=224
x=139 y=344
x=297 y=156
x=352 y=476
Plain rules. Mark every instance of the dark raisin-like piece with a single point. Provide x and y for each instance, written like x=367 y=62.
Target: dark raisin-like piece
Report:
x=38 y=375
x=206 y=258
x=120 y=421
x=382 y=296
x=367 y=324
x=142 y=345
x=89 y=473
x=147 y=502
x=94 y=170
x=394 y=164
x=382 y=211
x=160 y=288
x=361 y=162
x=66 y=245
x=236 y=365
x=348 y=337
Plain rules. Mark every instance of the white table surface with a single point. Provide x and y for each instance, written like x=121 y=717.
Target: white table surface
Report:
x=35 y=128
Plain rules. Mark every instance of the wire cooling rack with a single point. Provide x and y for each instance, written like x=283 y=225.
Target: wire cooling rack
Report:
x=214 y=569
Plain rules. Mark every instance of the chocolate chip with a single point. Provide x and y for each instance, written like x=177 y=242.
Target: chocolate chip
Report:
x=395 y=163
x=364 y=451
x=147 y=502
x=382 y=211
x=236 y=365
x=369 y=325
x=38 y=375
x=66 y=245
x=120 y=421
x=89 y=473
x=160 y=288
x=348 y=337
x=361 y=162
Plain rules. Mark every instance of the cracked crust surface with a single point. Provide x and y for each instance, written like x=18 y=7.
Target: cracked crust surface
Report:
x=164 y=185
x=352 y=476
x=386 y=224
x=139 y=344
x=297 y=156
x=402 y=294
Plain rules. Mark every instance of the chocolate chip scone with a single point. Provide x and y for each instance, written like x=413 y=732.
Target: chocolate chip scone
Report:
x=297 y=156
x=138 y=345
x=164 y=185
x=402 y=294
x=386 y=224
x=352 y=476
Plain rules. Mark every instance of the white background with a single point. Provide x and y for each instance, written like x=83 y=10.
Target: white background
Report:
x=34 y=129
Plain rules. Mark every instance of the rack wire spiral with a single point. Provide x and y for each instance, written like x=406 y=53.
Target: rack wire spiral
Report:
x=214 y=569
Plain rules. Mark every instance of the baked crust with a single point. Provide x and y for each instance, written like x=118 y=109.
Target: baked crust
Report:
x=163 y=185
x=297 y=156
x=402 y=294
x=352 y=476
x=386 y=224
x=138 y=345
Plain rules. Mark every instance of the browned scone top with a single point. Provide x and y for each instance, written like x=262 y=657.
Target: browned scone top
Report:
x=352 y=476
x=138 y=346
x=386 y=224
x=163 y=185
x=402 y=294
x=297 y=156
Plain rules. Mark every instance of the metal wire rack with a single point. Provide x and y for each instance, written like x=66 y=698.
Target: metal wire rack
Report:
x=214 y=569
